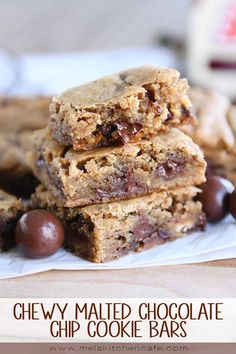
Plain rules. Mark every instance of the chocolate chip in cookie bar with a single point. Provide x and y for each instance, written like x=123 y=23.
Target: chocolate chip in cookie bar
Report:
x=166 y=161
x=11 y=210
x=120 y=108
x=105 y=232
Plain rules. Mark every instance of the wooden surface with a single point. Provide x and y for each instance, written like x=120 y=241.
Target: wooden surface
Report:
x=211 y=279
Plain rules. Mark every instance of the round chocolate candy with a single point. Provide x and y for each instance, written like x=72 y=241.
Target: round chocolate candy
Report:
x=215 y=198
x=233 y=203
x=39 y=233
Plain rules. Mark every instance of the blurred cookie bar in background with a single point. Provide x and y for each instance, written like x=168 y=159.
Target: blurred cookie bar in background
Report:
x=215 y=131
x=19 y=117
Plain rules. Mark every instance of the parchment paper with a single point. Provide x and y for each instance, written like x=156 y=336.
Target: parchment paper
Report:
x=217 y=242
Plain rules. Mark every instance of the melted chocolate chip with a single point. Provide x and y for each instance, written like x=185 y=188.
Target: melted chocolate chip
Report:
x=170 y=116
x=170 y=168
x=150 y=95
x=143 y=230
x=185 y=112
x=122 y=185
x=107 y=130
x=128 y=130
x=121 y=130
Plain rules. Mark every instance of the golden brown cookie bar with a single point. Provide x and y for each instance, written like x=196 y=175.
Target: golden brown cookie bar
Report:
x=21 y=113
x=166 y=161
x=215 y=131
x=123 y=107
x=105 y=232
x=16 y=176
x=11 y=210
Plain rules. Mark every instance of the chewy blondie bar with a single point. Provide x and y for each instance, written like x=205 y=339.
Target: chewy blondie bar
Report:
x=166 y=161
x=105 y=232
x=215 y=131
x=21 y=113
x=124 y=107
x=11 y=210
x=16 y=177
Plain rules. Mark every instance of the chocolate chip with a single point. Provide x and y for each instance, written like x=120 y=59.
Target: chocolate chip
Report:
x=132 y=185
x=107 y=130
x=121 y=185
x=170 y=116
x=128 y=130
x=185 y=112
x=144 y=230
x=39 y=233
x=170 y=168
x=164 y=235
x=151 y=95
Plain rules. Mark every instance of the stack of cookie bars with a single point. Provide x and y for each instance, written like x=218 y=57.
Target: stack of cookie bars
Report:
x=114 y=166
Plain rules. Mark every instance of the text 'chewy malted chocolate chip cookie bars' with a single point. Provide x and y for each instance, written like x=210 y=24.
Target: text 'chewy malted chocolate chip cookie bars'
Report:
x=134 y=186
x=123 y=107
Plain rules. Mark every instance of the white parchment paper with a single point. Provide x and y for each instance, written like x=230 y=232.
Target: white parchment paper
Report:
x=53 y=73
x=217 y=242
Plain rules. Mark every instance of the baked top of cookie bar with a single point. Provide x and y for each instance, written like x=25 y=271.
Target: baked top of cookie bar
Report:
x=120 y=108
x=22 y=113
x=115 y=87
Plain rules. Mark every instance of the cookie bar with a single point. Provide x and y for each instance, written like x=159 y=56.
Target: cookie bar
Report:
x=16 y=176
x=11 y=210
x=166 y=161
x=124 y=107
x=215 y=131
x=19 y=113
x=105 y=232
